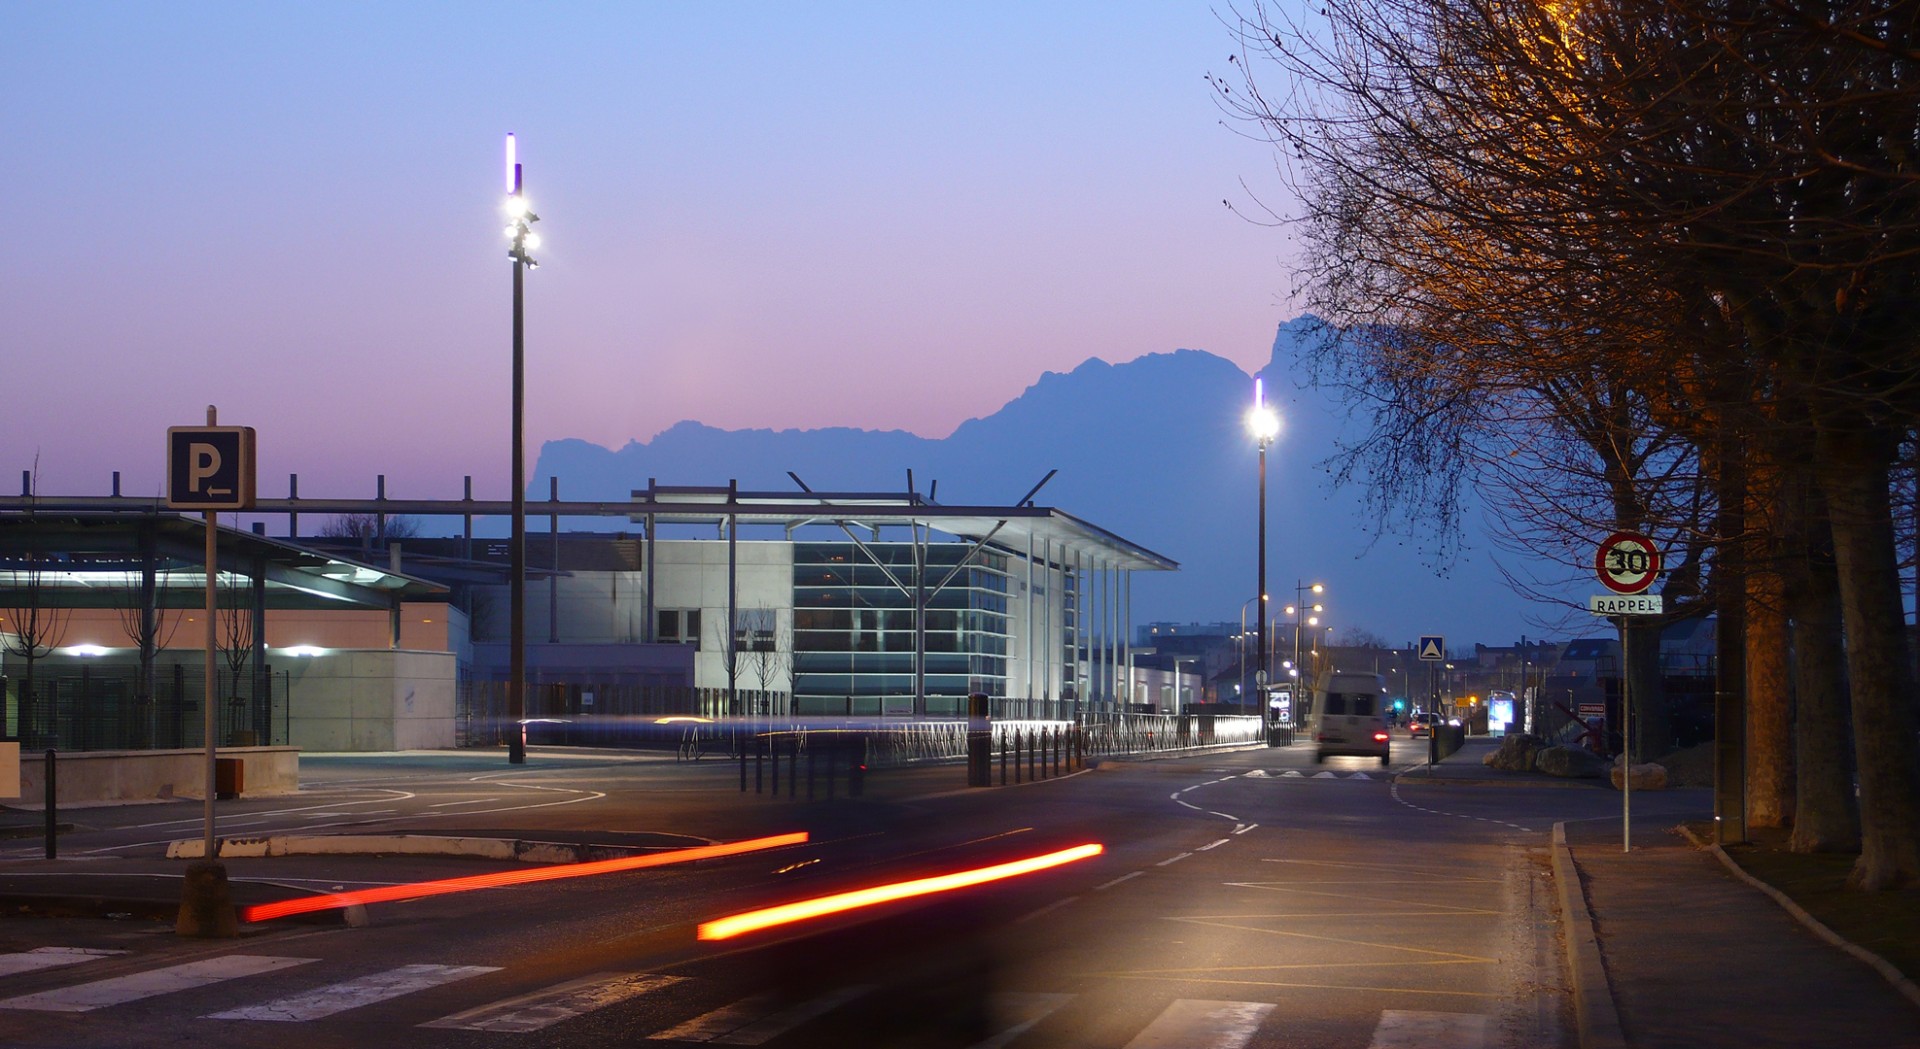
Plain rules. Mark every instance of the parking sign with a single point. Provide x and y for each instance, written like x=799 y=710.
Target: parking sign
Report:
x=210 y=467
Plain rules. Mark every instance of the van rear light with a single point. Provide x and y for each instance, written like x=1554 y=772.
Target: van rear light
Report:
x=1380 y=737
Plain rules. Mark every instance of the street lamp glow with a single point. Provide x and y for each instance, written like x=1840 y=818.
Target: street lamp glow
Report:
x=1262 y=423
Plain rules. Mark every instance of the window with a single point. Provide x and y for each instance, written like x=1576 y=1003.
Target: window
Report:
x=679 y=626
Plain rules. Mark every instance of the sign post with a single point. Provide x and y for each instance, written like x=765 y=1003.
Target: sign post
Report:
x=1627 y=564
x=1432 y=650
x=209 y=468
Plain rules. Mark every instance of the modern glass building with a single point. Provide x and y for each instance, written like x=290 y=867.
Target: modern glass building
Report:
x=875 y=625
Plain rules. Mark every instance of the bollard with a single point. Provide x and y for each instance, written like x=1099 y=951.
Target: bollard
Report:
x=980 y=742
x=53 y=850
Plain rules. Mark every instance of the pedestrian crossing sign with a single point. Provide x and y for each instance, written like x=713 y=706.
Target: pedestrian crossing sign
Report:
x=1433 y=647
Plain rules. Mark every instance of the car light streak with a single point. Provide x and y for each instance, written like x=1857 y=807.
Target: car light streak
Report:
x=800 y=910
x=415 y=890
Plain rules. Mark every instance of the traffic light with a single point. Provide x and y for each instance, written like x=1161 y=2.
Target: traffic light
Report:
x=1399 y=705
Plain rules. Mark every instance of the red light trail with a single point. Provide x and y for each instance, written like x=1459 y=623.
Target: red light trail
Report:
x=416 y=890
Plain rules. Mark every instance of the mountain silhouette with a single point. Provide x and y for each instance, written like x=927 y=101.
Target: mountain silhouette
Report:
x=1154 y=450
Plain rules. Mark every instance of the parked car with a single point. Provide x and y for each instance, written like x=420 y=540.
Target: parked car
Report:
x=1421 y=724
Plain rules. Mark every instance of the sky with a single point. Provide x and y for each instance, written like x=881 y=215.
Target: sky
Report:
x=879 y=215
x=875 y=215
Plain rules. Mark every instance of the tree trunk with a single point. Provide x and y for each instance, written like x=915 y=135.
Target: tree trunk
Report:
x=1825 y=817
x=1652 y=726
x=1853 y=465
x=1770 y=701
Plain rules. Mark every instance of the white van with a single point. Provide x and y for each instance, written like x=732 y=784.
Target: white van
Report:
x=1349 y=717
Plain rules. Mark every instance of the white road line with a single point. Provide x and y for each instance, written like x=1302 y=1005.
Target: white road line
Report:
x=1410 y=1029
x=1055 y=905
x=1192 y=1024
x=1173 y=859
x=1223 y=815
x=450 y=804
x=748 y=1022
x=1118 y=880
x=86 y=997
x=1023 y=1009
x=1244 y=827
x=49 y=958
x=390 y=795
x=1213 y=845
x=544 y=1008
x=352 y=994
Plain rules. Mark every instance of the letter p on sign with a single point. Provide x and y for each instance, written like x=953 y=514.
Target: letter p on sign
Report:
x=210 y=467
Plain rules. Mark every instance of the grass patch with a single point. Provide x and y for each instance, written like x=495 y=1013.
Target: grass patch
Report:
x=1886 y=923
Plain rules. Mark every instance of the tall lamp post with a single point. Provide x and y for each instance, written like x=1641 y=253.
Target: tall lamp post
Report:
x=1299 y=608
x=520 y=222
x=1264 y=425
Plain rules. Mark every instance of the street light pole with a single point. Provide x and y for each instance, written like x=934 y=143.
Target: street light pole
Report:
x=520 y=232
x=1264 y=425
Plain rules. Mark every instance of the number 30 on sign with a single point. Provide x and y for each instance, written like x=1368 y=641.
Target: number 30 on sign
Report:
x=1627 y=562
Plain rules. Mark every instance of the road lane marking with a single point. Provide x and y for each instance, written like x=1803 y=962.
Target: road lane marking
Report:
x=1173 y=859
x=1055 y=905
x=474 y=801
x=1023 y=1008
x=1413 y=1029
x=1213 y=845
x=1193 y=1024
x=352 y=994
x=751 y=1021
x=1118 y=880
x=86 y=997
x=50 y=958
x=544 y=1008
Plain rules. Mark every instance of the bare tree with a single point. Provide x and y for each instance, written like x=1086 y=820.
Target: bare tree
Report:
x=147 y=622
x=1705 y=205
x=31 y=625
x=766 y=646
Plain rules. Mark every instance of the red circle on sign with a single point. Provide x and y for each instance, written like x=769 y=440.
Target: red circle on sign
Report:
x=1627 y=562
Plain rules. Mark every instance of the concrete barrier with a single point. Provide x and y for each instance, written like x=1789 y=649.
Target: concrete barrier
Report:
x=86 y=776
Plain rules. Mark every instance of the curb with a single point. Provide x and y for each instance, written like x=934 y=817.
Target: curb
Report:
x=403 y=845
x=1593 y=1007
x=1418 y=775
x=1898 y=979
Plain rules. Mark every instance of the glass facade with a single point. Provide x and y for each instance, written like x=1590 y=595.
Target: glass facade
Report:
x=853 y=627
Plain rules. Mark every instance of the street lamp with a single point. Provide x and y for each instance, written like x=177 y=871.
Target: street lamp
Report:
x=1241 y=643
x=1264 y=425
x=520 y=222
x=1300 y=591
x=1176 y=679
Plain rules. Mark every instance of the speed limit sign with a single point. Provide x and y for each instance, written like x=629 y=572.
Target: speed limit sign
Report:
x=1627 y=562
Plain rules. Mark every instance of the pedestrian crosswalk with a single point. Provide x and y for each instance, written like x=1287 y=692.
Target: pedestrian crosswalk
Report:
x=1322 y=774
x=759 y=1019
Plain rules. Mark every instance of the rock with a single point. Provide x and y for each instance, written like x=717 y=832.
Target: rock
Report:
x=1515 y=753
x=1645 y=777
x=1569 y=762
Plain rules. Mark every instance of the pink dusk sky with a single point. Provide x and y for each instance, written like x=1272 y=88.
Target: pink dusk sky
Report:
x=881 y=215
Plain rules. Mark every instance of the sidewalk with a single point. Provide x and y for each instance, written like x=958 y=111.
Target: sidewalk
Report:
x=1668 y=949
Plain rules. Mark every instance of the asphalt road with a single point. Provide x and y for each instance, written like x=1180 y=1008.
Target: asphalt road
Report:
x=1241 y=899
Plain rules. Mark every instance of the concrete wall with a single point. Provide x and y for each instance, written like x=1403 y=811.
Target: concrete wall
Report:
x=360 y=701
x=138 y=775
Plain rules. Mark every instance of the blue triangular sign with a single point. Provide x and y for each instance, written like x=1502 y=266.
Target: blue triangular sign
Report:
x=1433 y=647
